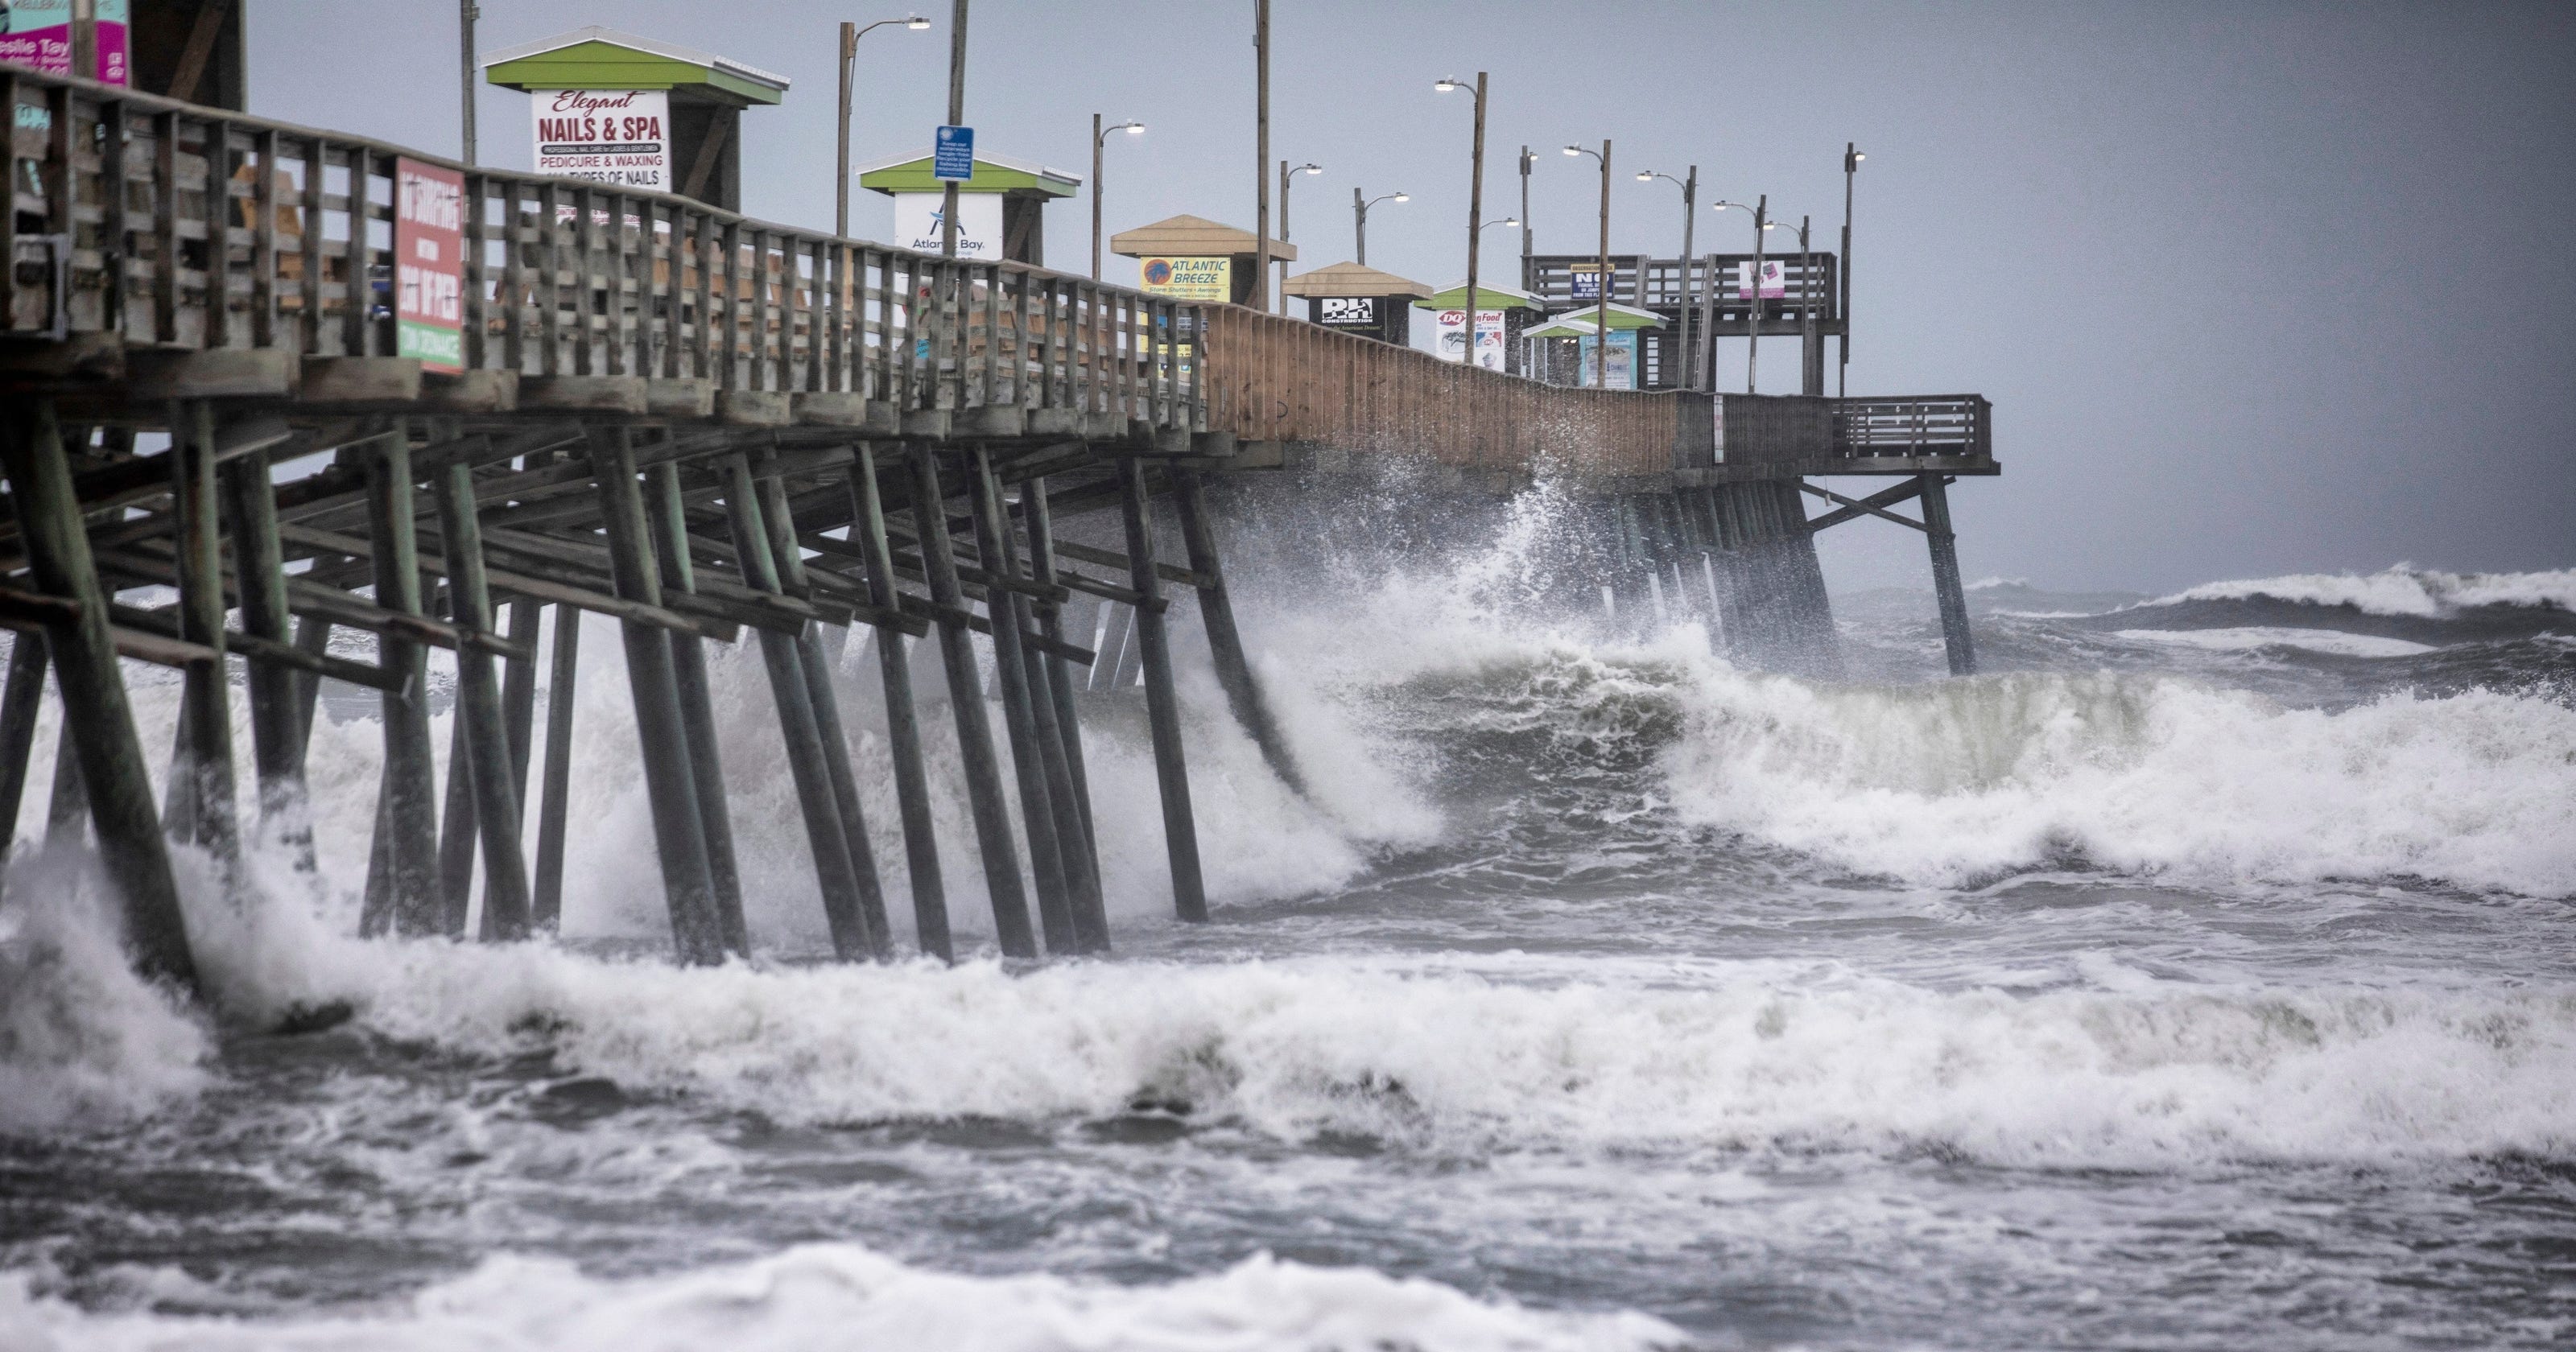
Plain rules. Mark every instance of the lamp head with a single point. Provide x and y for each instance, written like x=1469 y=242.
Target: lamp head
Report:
x=1310 y=168
x=1574 y=150
x=1134 y=128
x=916 y=23
x=1447 y=84
x=1403 y=197
x=1509 y=222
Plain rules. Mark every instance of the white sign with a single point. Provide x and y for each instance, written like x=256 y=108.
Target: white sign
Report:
x=1489 y=337
x=615 y=136
x=1775 y=282
x=979 y=223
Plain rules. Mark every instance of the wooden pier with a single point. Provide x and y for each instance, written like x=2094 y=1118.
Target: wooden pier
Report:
x=712 y=428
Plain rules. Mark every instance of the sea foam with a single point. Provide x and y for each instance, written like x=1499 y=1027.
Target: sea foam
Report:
x=844 y=1296
x=1961 y=781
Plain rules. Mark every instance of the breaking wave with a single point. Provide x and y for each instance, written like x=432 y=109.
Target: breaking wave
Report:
x=2401 y=590
x=1959 y=782
x=843 y=1295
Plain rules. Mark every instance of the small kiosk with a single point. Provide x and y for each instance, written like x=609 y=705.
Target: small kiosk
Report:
x=635 y=112
x=1000 y=211
x=1502 y=314
x=1194 y=258
x=1561 y=351
x=1361 y=300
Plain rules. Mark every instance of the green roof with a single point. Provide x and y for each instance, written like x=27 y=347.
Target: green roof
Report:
x=991 y=175
x=1492 y=298
x=597 y=58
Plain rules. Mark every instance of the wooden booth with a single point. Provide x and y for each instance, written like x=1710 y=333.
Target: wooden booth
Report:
x=1502 y=313
x=1000 y=211
x=1194 y=258
x=636 y=112
x=1361 y=300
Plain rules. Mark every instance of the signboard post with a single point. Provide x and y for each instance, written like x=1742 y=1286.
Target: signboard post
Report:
x=615 y=136
x=429 y=265
x=952 y=156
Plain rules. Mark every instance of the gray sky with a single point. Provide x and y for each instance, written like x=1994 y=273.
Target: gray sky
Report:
x=2255 y=288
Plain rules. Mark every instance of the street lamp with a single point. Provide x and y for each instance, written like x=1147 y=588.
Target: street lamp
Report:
x=1761 y=210
x=1100 y=138
x=1851 y=165
x=850 y=35
x=1601 y=280
x=1285 y=174
x=1690 y=199
x=1475 y=207
x=1359 y=218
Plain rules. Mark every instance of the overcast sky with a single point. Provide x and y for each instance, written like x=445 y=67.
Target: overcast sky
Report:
x=2255 y=288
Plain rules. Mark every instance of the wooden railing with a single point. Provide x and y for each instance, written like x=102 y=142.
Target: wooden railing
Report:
x=1810 y=281
x=172 y=225
x=1801 y=429
x=1272 y=378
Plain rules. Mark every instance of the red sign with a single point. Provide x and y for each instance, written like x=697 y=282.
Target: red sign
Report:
x=429 y=265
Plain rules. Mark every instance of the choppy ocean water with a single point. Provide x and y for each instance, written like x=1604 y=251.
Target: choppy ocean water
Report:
x=2202 y=976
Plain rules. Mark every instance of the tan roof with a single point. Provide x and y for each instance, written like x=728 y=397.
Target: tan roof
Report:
x=1351 y=279
x=1193 y=237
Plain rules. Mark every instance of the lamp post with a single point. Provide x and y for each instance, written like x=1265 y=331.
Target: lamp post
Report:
x=1690 y=200
x=1285 y=174
x=850 y=35
x=1100 y=139
x=1601 y=279
x=1761 y=210
x=1475 y=207
x=1359 y=218
x=1851 y=165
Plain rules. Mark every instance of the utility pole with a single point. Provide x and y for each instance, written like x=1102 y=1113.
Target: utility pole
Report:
x=1261 y=151
x=1098 y=153
x=1526 y=160
x=466 y=14
x=956 y=118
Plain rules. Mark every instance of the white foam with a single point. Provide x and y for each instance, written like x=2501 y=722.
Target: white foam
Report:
x=844 y=1296
x=83 y=1041
x=2401 y=590
x=2247 y=639
x=1955 y=782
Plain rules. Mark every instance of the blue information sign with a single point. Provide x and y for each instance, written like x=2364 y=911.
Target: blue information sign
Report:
x=953 y=160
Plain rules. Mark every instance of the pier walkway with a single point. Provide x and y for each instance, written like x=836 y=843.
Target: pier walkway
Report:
x=707 y=427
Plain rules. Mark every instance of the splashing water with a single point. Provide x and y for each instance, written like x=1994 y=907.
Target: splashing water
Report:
x=2194 y=975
